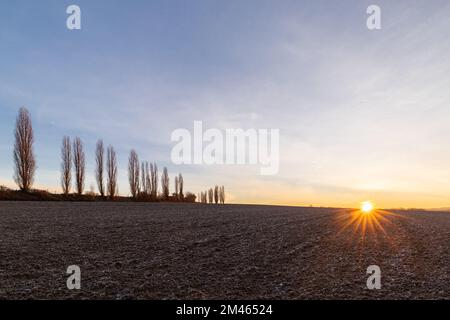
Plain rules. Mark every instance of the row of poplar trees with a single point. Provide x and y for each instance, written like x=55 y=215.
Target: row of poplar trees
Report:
x=143 y=177
x=213 y=195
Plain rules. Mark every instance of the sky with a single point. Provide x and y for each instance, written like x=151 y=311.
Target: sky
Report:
x=363 y=114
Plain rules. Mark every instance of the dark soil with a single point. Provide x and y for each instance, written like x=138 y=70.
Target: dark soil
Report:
x=194 y=251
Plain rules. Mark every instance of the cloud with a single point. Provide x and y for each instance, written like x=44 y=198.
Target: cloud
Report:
x=359 y=112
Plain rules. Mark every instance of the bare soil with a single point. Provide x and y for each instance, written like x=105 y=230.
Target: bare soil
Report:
x=194 y=251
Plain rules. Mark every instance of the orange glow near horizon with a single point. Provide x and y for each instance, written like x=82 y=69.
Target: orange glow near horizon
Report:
x=367 y=207
x=306 y=197
x=366 y=220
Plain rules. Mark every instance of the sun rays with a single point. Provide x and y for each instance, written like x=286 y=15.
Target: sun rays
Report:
x=366 y=220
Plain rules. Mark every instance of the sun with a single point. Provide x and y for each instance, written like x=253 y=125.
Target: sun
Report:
x=367 y=207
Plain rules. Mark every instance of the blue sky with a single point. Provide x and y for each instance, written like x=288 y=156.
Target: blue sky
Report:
x=362 y=114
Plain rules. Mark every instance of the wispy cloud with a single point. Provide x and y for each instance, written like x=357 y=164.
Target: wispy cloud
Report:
x=360 y=113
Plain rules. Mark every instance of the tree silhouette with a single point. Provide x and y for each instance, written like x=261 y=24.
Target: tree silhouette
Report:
x=79 y=162
x=111 y=166
x=24 y=160
x=143 y=179
x=211 y=195
x=100 y=164
x=165 y=184
x=181 y=186
x=190 y=197
x=216 y=194
x=176 y=188
x=133 y=173
x=222 y=194
x=154 y=180
x=66 y=165
x=148 y=180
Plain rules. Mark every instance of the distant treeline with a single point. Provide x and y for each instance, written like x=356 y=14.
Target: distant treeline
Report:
x=213 y=195
x=142 y=176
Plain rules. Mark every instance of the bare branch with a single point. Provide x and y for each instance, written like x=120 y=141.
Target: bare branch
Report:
x=99 y=171
x=111 y=166
x=181 y=186
x=133 y=173
x=165 y=184
x=24 y=160
x=66 y=165
x=79 y=162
